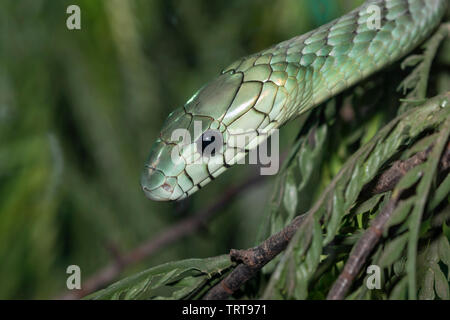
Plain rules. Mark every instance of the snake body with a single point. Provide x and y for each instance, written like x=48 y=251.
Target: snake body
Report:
x=261 y=92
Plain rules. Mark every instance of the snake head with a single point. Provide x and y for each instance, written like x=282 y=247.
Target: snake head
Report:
x=177 y=165
x=214 y=130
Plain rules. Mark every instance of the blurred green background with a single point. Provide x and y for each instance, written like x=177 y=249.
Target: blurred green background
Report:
x=79 y=110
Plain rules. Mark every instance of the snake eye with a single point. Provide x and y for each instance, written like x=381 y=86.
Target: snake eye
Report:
x=210 y=142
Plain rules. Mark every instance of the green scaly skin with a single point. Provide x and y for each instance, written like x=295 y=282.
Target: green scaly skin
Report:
x=264 y=90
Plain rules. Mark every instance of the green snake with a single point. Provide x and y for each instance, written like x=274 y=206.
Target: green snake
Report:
x=261 y=92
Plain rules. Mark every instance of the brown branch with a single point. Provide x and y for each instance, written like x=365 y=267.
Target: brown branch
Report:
x=399 y=168
x=168 y=236
x=254 y=259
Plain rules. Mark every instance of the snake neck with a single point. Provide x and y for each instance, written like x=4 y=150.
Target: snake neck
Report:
x=309 y=69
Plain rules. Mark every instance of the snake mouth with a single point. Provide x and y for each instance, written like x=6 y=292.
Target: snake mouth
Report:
x=157 y=186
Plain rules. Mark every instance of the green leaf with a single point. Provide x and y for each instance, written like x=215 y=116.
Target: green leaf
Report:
x=440 y=194
x=173 y=280
x=418 y=79
x=342 y=193
x=399 y=266
x=290 y=195
x=441 y=283
x=400 y=290
x=411 y=61
x=393 y=250
x=400 y=213
x=423 y=190
x=444 y=250
x=411 y=177
x=300 y=169
x=426 y=291
x=336 y=217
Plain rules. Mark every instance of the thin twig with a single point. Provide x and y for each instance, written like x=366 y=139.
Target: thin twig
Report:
x=372 y=236
x=168 y=236
x=420 y=75
x=253 y=260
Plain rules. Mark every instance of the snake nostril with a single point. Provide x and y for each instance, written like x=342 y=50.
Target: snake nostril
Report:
x=167 y=187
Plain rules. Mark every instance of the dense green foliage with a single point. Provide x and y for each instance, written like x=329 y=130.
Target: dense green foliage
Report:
x=80 y=109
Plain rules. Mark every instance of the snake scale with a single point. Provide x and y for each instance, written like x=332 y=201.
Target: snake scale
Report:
x=261 y=92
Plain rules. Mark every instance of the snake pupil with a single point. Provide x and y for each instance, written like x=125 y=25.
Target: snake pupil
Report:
x=209 y=143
